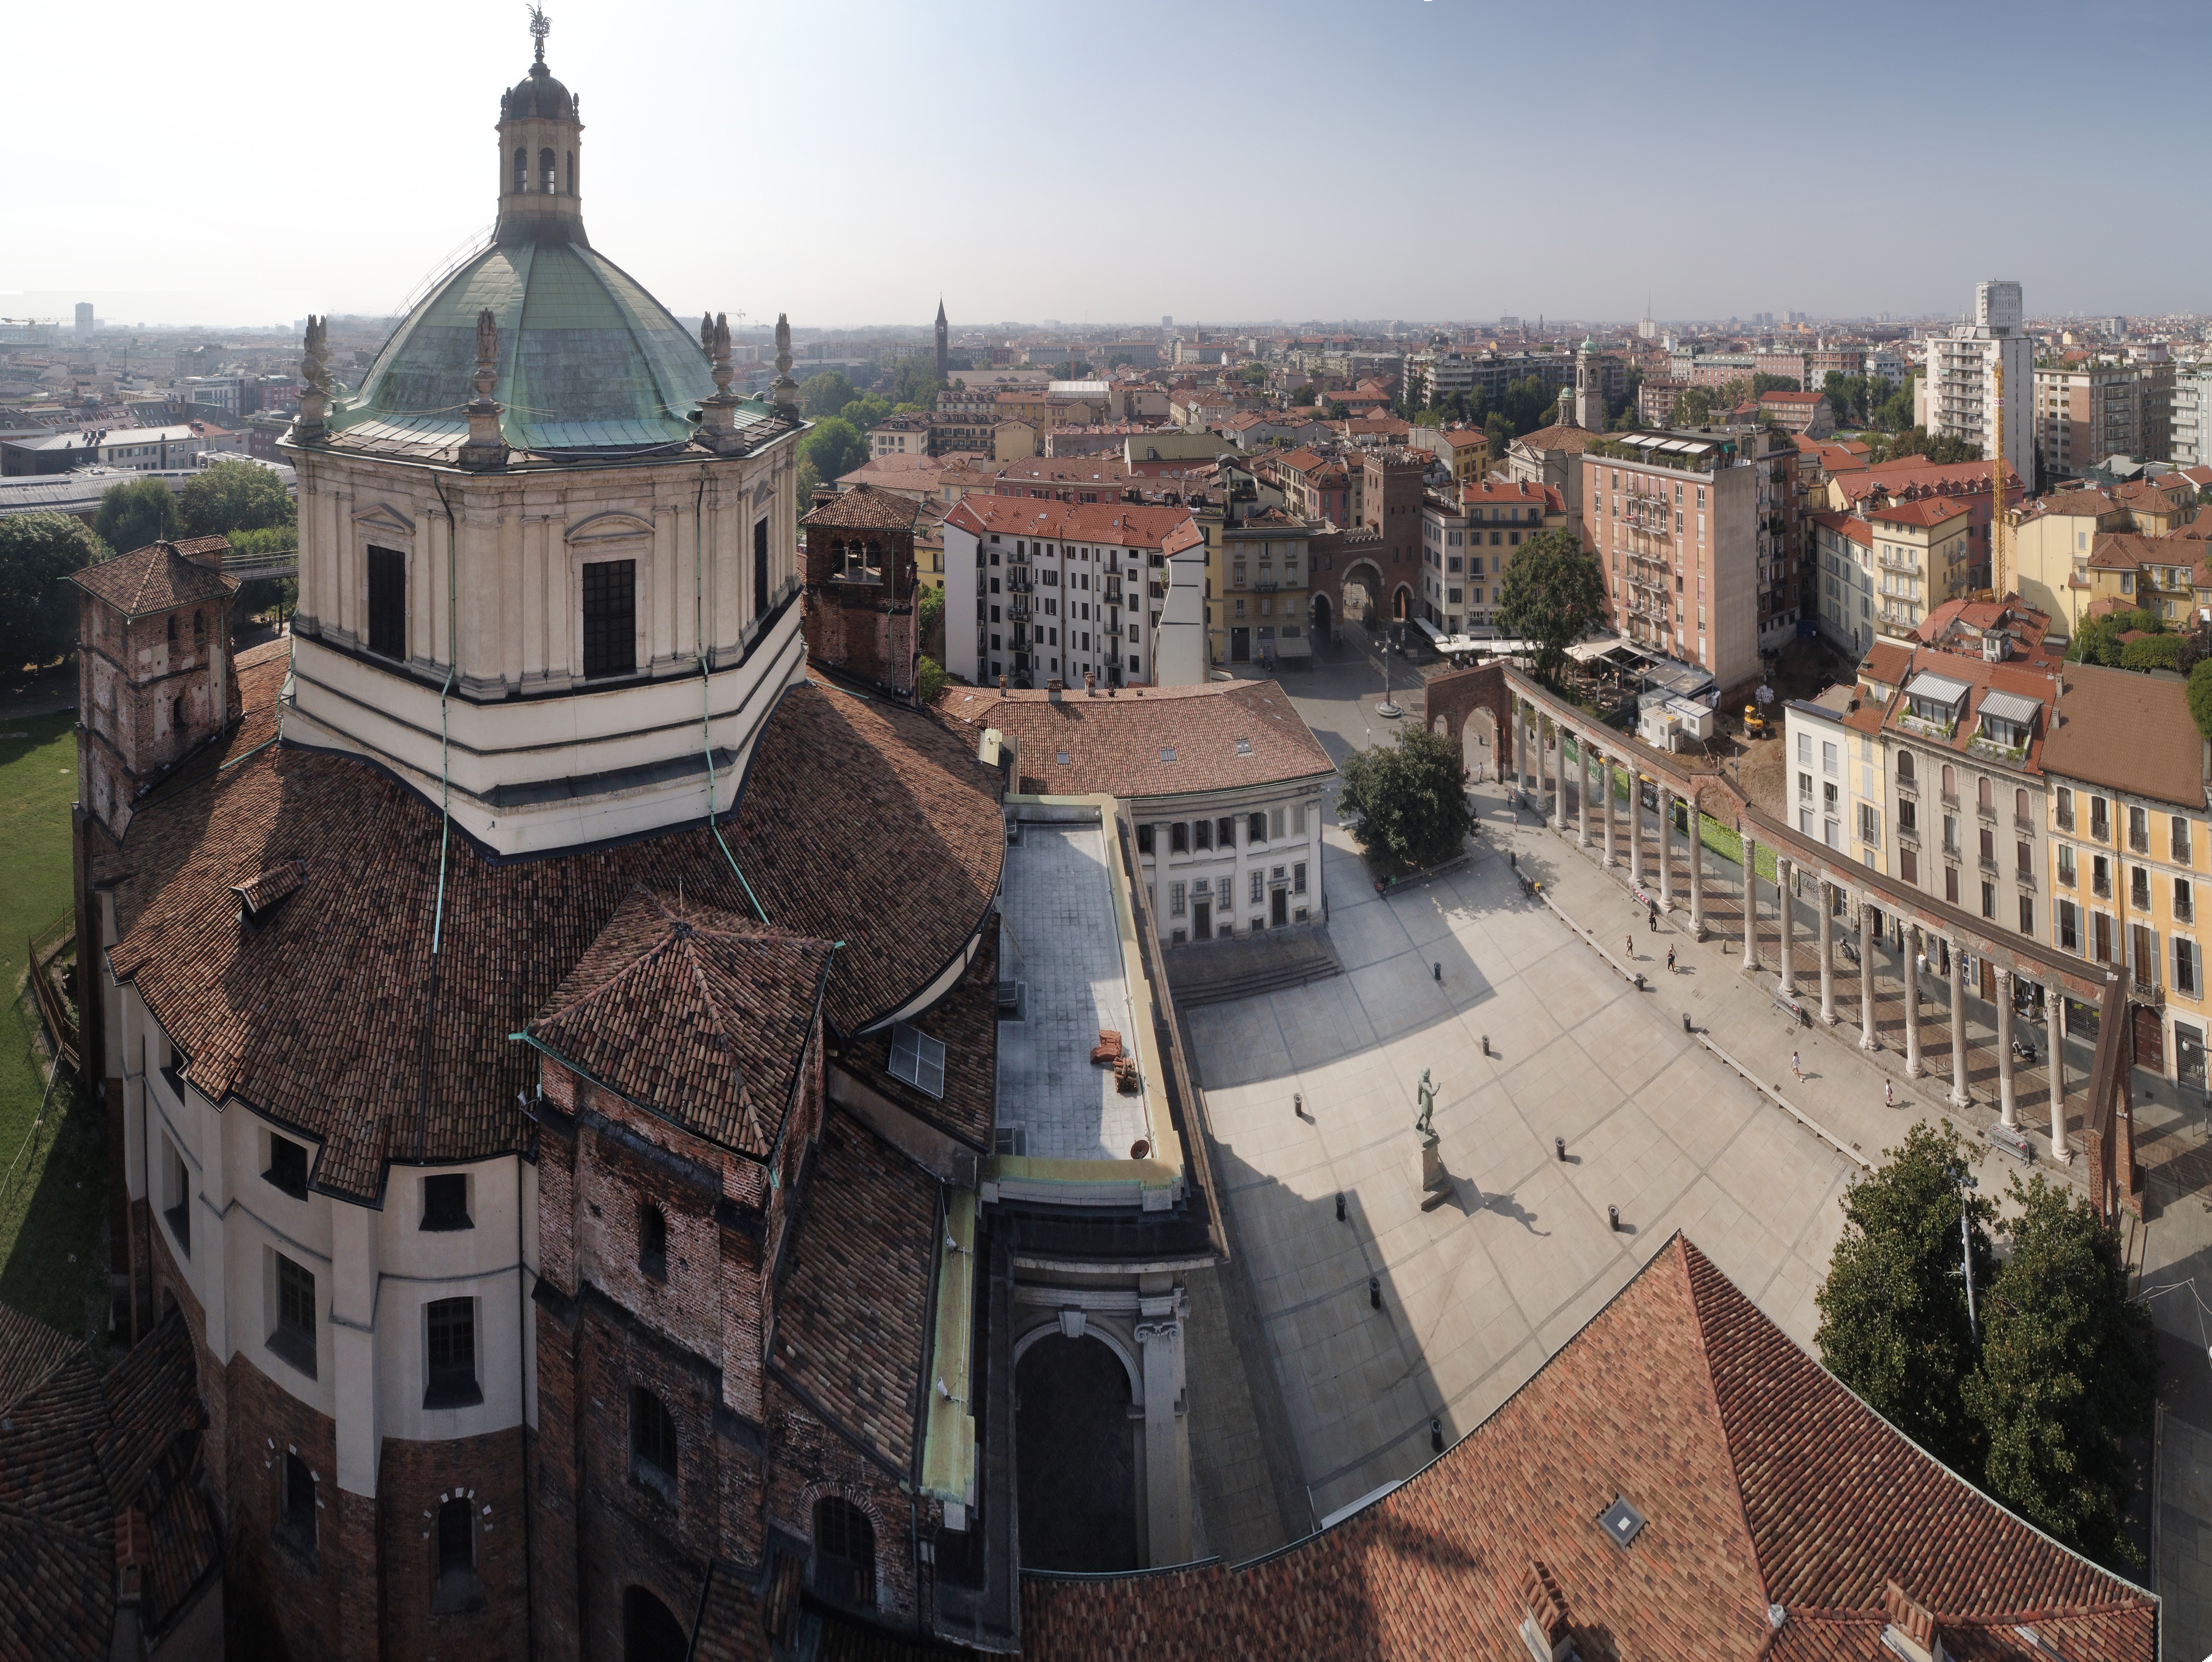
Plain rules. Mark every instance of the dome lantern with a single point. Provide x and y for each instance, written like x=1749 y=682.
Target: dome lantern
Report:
x=540 y=135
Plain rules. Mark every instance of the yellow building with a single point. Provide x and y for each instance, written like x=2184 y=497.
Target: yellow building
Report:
x=1920 y=554
x=2051 y=541
x=2125 y=765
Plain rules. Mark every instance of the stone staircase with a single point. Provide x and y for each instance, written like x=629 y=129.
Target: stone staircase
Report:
x=1222 y=971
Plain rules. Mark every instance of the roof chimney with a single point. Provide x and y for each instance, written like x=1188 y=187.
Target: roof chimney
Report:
x=1054 y=688
x=1089 y=684
x=1912 y=1630
x=1544 y=1627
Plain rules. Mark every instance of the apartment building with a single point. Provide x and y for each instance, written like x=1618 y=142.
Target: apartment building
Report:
x=2074 y=549
x=1068 y=590
x=2129 y=850
x=1920 y=560
x=1842 y=580
x=1807 y=413
x=1692 y=531
x=2189 y=422
x=2087 y=411
x=1469 y=540
x=1836 y=772
x=1265 y=573
x=1962 y=374
x=1962 y=746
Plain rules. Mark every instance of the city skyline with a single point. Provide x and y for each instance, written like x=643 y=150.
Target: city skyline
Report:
x=1482 y=237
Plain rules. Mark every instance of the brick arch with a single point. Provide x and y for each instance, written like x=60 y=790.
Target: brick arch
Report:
x=862 y=1501
x=1454 y=695
x=1367 y=571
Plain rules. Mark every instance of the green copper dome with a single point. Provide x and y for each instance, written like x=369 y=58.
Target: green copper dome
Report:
x=587 y=360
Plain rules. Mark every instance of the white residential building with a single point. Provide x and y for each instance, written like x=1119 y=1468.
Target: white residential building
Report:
x=2191 y=437
x=1065 y=590
x=1962 y=370
x=1835 y=775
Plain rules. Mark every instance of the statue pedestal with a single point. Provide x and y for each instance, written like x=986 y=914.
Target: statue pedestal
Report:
x=1436 y=1185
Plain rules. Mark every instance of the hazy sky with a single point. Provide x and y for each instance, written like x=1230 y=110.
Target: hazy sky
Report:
x=248 y=163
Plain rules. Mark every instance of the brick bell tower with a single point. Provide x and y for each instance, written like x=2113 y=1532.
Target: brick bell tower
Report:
x=154 y=685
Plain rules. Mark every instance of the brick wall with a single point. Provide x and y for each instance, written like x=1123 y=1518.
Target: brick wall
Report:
x=299 y=1593
x=483 y=1622
x=807 y=1461
x=865 y=630
x=129 y=680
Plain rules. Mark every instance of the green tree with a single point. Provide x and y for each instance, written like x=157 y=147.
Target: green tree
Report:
x=136 y=513
x=929 y=680
x=916 y=383
x=1072 y=372
x=1763 y=384
x=38 y=603
x=2066 y=1375
x=1338 y=410
x=1894 y=413
x=1893 y=1323
x=1553 y=594
x=867 y=411
x=259 y=594
x=2152 y=652
x=1694 y=407
x=234 y=495
x=1118 y=359
x=825 y=394
x=2200 y=696
x=1501 y=435
x=1254 y=374
x=832 y=450
x=1412 y=799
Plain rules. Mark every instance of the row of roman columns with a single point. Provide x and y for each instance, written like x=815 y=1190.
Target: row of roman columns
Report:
x=1538 y=739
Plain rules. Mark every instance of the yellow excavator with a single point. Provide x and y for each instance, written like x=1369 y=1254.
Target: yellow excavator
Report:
x=1755 y=724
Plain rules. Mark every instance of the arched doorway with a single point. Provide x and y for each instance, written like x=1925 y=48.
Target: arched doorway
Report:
x=1076 y=1458
x=1317 y=619
x=1401 y=604
x=1363 y=592
x=651 y=1632
x=1478 y=739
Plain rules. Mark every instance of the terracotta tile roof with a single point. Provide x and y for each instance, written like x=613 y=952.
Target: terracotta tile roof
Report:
x=2088 y=502
x=30 y=1351
x=1761 y=1479
x=2198 y=530
x=1951 y=478
x=852 y=1317
x=1981 y=678
x=1920 y=511
x=1486 y=492
x=1466 y=438
x=966 y=1022
x=1783 y=395
x=1849 y=526
x=1127 y=525
x=702 y=1017
x=2128 y=732
x=318 y=1017
x=158 y=577
x=77 y=1450
x=864 y=508
x=2122 y=551
x=1170 y=742
x=1572 y=440
x=2155 y=495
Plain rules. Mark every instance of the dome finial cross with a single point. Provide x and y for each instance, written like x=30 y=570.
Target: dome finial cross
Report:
x=540 y=26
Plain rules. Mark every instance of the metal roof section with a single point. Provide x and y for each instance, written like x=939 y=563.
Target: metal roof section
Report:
x=2010 y=707
x=1941 y=688
x=589 y=361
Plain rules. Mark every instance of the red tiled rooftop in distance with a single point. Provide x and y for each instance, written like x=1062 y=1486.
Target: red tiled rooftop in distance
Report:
x=1126 y=525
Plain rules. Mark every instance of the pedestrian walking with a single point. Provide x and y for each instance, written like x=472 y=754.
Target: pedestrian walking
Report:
x=1888 y=1094
x=1797 y=1072
x=1670 y=960
x=1652 y=918
x=1629 y=946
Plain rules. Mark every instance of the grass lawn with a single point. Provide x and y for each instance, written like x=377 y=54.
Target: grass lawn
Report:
x=52 y=1257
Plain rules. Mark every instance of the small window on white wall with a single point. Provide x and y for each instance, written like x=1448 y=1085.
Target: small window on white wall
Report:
x=176 y=1194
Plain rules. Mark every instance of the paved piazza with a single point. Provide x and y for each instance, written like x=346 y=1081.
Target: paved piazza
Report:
x=1478 y=1292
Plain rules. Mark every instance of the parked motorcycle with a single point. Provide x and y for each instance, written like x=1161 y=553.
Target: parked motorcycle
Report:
x=2023 y=1049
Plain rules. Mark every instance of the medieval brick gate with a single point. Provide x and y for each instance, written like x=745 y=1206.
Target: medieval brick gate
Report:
x=1503 y=695
x=1474 y=709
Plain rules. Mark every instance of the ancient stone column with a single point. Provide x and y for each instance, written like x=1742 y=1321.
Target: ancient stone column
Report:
x=1666 y=849
x=1827 y=955
x=1914 y=943
x=1867 y=1039
x=2007 y=1111
x=1786 y=912
x=2054 y=1023
x=1635 y=825
x=1958 y=1095
x=1605 y=802
x=1582 y=806
x=1696 y=817
x=1750 y=903
x=1559 y=773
